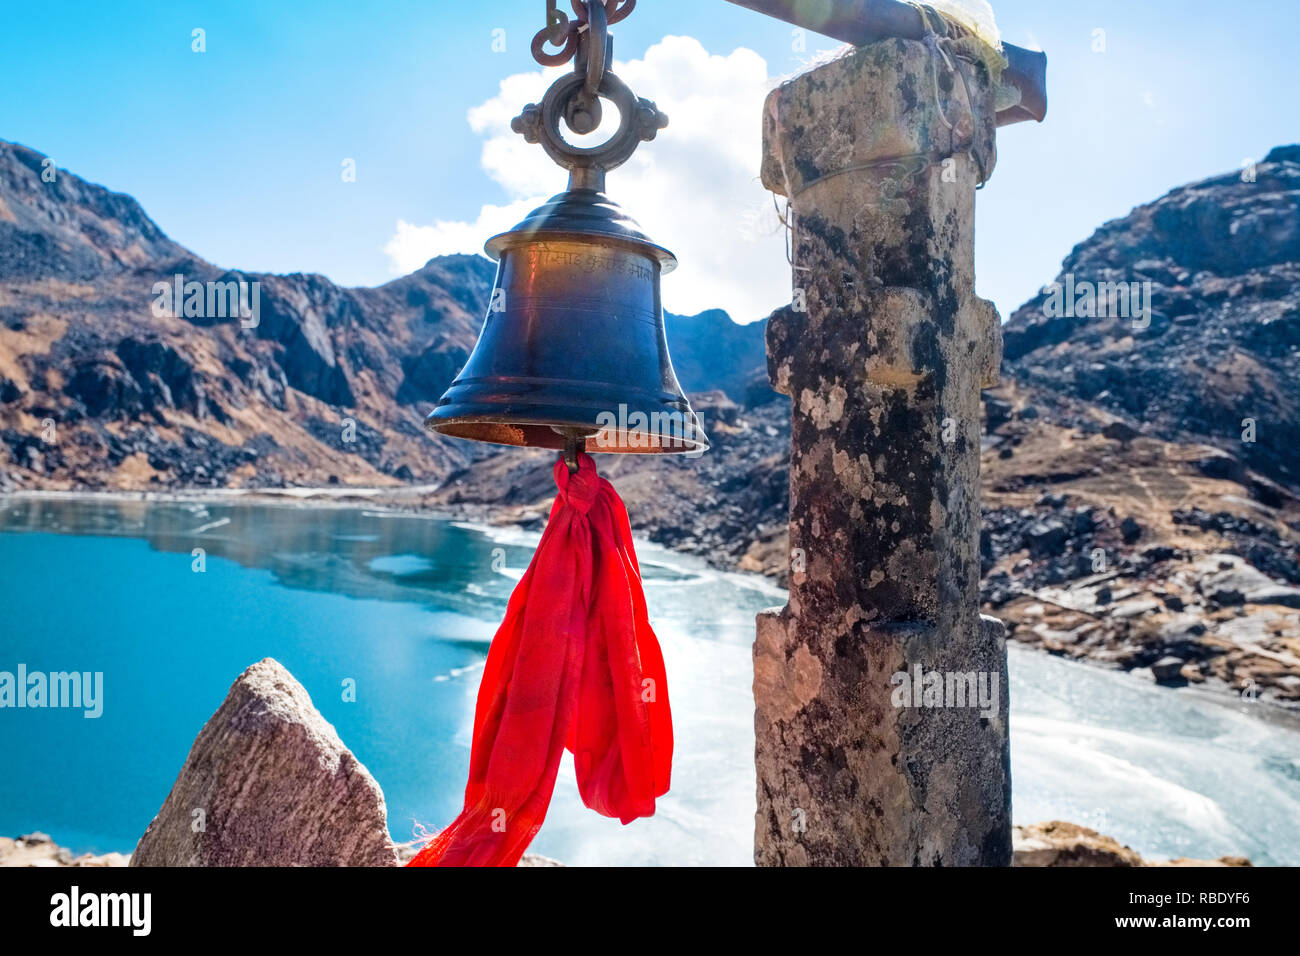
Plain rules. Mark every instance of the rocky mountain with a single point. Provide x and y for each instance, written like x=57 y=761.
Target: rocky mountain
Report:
x=111 y=379
x=711 y=352
x=1142 y=469
x=1218 y=264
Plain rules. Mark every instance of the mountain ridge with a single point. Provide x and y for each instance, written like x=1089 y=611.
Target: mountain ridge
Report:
x=1222 y=260
x=331 y=384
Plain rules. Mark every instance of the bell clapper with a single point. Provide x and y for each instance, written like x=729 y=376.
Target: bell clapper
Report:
x=575 y=440
x=571 y=452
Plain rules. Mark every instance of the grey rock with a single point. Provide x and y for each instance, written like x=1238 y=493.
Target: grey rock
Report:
x=1168 y=670
x=1120 y=431
x=1227 y=597
x=1230 y=581
x=1275 y=594
x=1130 y=529
x=268 y=782
x=1047 y=538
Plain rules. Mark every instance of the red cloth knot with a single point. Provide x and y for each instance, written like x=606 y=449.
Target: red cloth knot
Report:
x=579 y=489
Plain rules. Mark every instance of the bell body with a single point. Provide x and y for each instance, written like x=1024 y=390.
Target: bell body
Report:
x=573 y=343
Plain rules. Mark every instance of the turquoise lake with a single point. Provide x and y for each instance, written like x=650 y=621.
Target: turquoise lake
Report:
x=402 y=607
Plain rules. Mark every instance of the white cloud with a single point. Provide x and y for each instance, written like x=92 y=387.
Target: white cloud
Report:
x=694 y=189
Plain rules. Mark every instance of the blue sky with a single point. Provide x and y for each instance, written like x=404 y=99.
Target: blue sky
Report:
x=237 y=152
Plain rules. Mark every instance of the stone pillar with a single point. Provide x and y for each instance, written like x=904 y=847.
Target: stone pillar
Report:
x=858 y=766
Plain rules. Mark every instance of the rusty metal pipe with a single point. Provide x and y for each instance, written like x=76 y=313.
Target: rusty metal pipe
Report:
x=865 y=21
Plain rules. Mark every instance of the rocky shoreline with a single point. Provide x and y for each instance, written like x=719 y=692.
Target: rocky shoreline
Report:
x=1054 y=843
x=1171 y=561
x=39 y=849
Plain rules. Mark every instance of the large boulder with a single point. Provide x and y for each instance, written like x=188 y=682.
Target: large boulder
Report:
x=268 y=782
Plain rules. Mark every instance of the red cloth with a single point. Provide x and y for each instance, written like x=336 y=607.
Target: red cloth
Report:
x=574 y=665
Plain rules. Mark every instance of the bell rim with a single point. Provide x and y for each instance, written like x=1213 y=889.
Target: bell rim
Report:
x=441 y=422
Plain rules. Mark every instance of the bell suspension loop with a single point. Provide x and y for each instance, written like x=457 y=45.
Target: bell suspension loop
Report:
x=576 y=338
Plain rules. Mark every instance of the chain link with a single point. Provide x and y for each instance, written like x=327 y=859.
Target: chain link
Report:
x=565 y=33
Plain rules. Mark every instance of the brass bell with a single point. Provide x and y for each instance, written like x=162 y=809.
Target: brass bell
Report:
x=573 y=351
x=574 y=339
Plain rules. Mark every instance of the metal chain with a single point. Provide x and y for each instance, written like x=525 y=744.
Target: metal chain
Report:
x=564 y=33
x=574 y=100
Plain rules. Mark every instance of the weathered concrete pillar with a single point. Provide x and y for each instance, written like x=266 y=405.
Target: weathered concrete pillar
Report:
x=868 y=751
